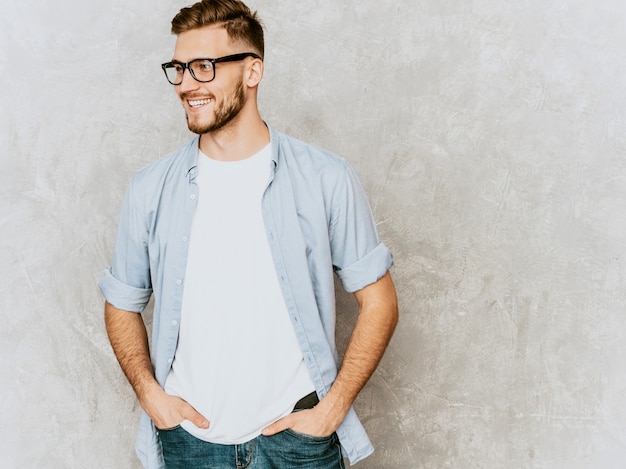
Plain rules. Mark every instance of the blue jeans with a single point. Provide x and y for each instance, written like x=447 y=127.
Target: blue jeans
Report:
x=285 y=450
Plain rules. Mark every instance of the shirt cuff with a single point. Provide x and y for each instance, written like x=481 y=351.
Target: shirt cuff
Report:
x=123 y=296
x=366 y=270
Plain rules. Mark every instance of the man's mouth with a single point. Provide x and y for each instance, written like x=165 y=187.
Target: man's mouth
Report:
x=196 y=103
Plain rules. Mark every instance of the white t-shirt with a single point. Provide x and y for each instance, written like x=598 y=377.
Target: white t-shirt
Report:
x=238 y=361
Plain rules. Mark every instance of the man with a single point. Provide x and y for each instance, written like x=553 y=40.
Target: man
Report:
x=238 y=234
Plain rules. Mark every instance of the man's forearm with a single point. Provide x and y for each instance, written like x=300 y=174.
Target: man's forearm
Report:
x=378 y=316
x=129 y=339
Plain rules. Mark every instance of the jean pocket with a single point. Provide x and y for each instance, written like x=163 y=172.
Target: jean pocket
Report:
x=171 y=429
x=311 y=438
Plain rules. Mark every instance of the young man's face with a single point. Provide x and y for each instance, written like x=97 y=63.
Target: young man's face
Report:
x=209 y=106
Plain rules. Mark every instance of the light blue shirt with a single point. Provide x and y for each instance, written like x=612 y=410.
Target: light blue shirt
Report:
x=318 y=221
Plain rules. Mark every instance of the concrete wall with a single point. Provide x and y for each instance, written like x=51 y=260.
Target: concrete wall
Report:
x=491 y=137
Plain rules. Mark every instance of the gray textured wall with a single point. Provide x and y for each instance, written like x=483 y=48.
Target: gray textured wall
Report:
x=491 y=137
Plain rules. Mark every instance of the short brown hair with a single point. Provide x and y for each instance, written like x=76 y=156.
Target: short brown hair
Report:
x=240 y=23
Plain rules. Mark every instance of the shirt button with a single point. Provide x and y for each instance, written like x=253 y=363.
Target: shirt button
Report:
x=170 y=360
x=179 y=281
x=174 y=322
x=184 y=238
x=192 y=196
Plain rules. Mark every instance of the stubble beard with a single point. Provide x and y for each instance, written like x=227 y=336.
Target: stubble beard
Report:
x=223 y=113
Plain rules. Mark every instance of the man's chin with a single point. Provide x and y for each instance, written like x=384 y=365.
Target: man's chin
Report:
x=206 y=128
x=199 y=128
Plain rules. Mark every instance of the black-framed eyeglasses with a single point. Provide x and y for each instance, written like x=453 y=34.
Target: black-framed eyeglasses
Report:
x=202 y=70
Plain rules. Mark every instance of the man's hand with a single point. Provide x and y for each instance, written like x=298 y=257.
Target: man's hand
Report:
x=310 y=422
x=168 y=411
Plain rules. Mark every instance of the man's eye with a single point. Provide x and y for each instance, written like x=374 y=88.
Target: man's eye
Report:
x=205 y=66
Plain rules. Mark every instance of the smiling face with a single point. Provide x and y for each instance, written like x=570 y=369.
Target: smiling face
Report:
x=214 y=105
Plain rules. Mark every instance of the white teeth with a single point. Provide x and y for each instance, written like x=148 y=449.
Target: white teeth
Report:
x=198 y=102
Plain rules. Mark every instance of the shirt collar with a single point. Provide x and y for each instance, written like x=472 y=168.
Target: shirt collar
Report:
x=274 y=137
x=191 y=158
x=191 y=153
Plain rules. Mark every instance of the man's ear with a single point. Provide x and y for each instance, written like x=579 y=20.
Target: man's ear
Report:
x=254 y=73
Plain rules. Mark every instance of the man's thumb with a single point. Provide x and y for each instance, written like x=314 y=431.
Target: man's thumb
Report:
x=197 y=419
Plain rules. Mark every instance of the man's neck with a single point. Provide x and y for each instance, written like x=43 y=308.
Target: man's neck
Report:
x=236 y=141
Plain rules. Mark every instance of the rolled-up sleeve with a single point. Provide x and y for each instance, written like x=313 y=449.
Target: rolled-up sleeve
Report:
x=126 y=284
x=123 y=296
x=367 y=270
x=359 y=257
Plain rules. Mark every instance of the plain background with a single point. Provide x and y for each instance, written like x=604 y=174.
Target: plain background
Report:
x=491 y=138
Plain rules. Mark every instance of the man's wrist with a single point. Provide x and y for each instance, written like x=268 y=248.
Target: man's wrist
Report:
x=333 y=409
x=148 y=392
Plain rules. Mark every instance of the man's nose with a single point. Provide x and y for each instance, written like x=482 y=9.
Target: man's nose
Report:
x=188 y=82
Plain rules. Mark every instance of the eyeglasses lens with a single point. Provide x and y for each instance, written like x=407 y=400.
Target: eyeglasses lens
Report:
x=202 y=70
